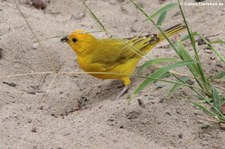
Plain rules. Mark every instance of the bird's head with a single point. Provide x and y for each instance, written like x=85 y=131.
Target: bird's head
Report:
x=80 y=41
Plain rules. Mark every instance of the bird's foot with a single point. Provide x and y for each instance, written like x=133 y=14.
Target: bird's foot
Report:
x=122 y=92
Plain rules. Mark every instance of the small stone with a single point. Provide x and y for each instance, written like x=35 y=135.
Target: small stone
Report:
x=212 y=58
x=39 y=4
x=121 y=127
x=34 y=129
x=41 y=107
x=110 y=120
x=161 y=100
x=168 y=113
x=10 y=84
x=141 y=103
x=180 y=135
x=35 y=46
x=204 y=126
x=133 y=115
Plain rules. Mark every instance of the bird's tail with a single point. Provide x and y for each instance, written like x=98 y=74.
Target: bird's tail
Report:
x=153 y=40
x=142 y=45
x=171 y=31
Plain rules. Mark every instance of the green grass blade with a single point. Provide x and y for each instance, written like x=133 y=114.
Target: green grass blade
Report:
x=161 y=18
x=160 y=72
x=153 y=62
x=184 y=55
x=186 y=37
x=223 y=98
x=217 y=42
x=177 y=86
x=218 y=54
x=202 y=98
x=204 y=109
x=163 y=10
x=217 y=100
x=220 y=75
x=165 y=75
x=195 y=69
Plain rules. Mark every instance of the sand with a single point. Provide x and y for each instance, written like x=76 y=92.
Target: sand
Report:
x=61 y=111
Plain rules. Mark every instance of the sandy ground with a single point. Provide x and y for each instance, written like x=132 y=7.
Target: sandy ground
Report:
x=79 y=111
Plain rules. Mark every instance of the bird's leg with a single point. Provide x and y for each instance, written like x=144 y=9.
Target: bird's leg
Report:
x=126 y=82
x=122 y=92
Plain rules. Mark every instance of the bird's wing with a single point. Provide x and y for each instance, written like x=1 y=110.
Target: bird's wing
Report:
x=113 y=52
x=139 y=46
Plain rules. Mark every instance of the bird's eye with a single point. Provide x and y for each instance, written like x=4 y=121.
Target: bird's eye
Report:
x=74 y=40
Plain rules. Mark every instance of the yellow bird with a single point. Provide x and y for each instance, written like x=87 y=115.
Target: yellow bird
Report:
x=113 y=58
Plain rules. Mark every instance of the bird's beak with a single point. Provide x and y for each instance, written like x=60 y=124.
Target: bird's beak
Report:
x=64 y=39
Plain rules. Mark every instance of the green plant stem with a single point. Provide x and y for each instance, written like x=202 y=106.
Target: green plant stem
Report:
x=94 y=16
x=206 y=85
